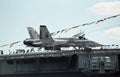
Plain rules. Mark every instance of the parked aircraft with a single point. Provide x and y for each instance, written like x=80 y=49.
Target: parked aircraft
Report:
x=44 y=39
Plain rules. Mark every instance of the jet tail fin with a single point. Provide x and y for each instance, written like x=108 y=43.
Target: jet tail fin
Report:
x=45 y=34
x=33 y=34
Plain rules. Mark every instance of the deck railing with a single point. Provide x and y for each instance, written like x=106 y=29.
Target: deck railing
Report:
x=61 y=53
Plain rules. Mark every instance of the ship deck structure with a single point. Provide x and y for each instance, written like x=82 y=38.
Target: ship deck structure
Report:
x=76 y=62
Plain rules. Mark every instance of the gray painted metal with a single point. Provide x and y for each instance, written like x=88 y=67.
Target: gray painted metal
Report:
x=59 y=61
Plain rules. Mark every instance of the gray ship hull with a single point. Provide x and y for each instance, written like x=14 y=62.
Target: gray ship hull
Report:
x=78 y=63
x=59 y=74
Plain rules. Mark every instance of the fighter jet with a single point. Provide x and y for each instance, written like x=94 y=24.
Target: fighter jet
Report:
x=44 y=39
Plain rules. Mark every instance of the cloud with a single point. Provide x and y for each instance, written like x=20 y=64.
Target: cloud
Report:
x=113 y=33
x=106 y=8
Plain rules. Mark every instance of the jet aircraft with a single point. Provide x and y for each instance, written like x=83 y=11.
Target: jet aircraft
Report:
x=45 y=40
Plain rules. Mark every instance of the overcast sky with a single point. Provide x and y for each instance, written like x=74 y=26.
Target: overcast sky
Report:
x=17 y=15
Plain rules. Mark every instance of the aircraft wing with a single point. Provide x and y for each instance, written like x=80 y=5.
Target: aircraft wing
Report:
x=87 y=43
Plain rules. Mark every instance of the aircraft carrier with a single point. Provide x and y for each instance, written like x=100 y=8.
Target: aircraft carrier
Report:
x=61 y=63
x=86 y=57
